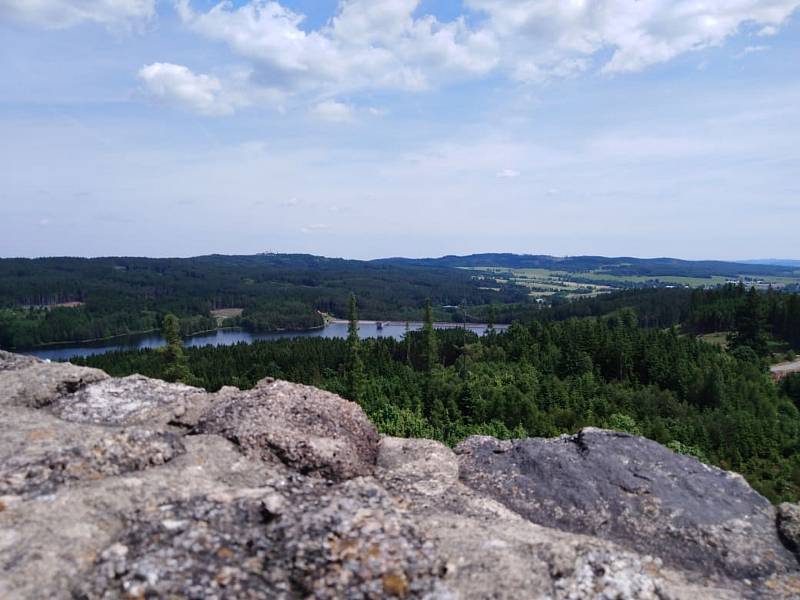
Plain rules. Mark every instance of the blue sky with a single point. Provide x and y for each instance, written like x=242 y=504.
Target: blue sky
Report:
x=368 y=128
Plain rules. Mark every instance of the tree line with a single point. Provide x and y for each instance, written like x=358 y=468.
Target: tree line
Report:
x=752 y=316
x=131 y=295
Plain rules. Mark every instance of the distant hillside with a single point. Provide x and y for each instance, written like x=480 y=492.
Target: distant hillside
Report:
x=781 y=262
x=69 y=299
x=618 y=266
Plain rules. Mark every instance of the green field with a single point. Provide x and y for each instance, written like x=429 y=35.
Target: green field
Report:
x=545 y=282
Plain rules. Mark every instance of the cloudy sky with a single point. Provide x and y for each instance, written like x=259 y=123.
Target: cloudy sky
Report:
x=366 y=128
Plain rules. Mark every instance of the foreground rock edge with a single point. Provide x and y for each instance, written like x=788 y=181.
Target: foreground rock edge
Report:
x=402 y=518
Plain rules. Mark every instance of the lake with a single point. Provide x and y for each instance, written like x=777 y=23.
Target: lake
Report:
x=229 y=337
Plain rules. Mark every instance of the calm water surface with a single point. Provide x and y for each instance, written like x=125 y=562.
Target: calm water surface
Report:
x=229 y=337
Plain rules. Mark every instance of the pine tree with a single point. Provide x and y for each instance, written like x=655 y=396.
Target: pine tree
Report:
x=355 y=365
x=433 y=408
x=491 y=318
x=407 y=342
x=430 y=345
x=176 y=366
x=751 y=324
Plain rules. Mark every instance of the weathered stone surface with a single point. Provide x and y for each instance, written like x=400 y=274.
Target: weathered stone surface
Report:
x=29 y=382
x=12 y=362
x=423 y=467
x=114 y=454
x=310 y=430
x=196 y=548
x=490 y=551
x=49 y=543
x=297 y=538
x=789 y=525
x=636 y=492
x=134 y=488
x=127 y=401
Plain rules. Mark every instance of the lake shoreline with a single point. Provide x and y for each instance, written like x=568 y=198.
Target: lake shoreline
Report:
x=46 y=345
x=226 y=336
x=436 y=324
x=328 y=320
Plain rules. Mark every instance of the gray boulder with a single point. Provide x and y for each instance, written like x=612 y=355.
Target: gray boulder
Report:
x=636 y=492
x=312 y=431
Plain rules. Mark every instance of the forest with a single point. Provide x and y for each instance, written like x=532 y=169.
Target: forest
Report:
x=51 y=300
x=637 y=367
x=71 y=299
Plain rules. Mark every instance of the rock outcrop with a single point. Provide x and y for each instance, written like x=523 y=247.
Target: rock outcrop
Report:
x=312 y=431
x=635 y=492
x=135 y=488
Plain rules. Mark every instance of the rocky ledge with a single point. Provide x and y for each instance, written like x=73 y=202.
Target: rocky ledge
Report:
x=135 y=488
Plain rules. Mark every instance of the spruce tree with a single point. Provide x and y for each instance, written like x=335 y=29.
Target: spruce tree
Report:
x=176 y=366
x=751 y=324
x=431 y=363
x=430 y=346
x=492 y=317
x=355 y=366
x=407 y=342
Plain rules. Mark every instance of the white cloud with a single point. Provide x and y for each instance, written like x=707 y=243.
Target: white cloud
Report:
x=333 y=111
x=508 y=173
x=314 y=227
x=546 y=33
x=366 y=45
x=371 y=45
x=752 y=50
x=177 y=85
x=57 y=14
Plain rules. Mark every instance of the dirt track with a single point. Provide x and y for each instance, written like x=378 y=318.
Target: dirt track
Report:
x=783 y=369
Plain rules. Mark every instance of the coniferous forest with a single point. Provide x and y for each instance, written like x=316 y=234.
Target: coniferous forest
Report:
x=53 y=300
x=629 y=361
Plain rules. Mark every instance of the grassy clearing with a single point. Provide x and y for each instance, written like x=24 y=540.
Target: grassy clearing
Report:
x=718 y=338
x=226 y=313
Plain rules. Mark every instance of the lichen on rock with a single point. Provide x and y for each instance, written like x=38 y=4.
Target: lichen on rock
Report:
x=126 y=401
x=322 y=541
x=114 y=454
